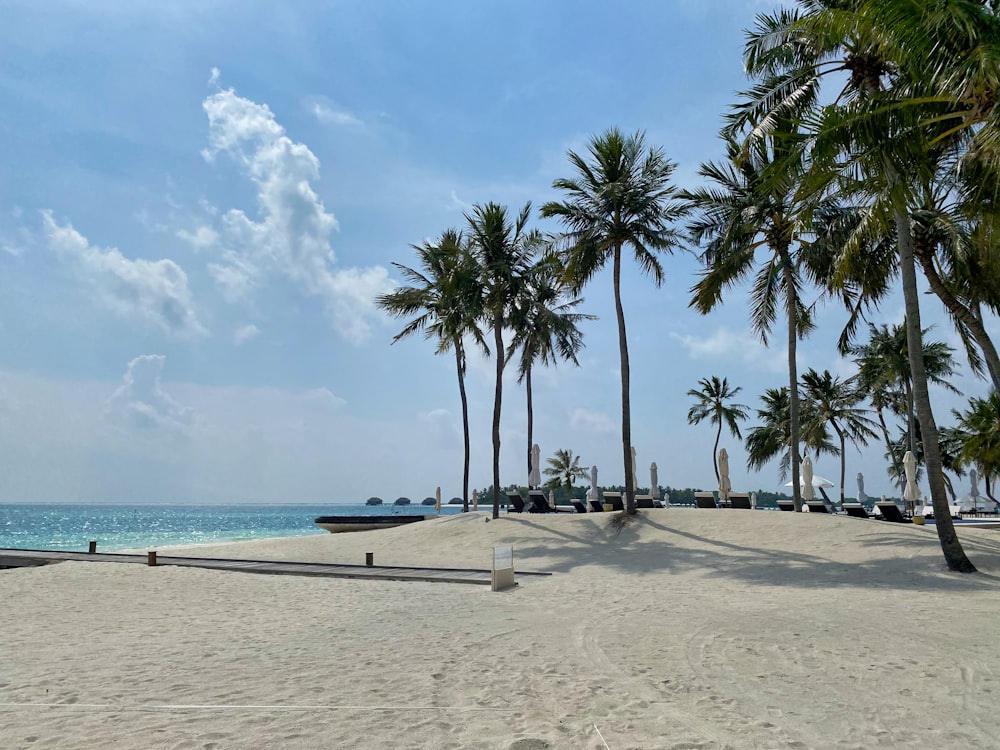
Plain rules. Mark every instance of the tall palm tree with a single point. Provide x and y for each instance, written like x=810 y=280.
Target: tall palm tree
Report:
x=621 y=197
x=836 y=403
x=980 y=428
x=869 y=138
x=714 y=403
x=772 y=438
x=564 y=467
x=502 y=249
x=445 y=299
x=753 y=201
x=544 y=326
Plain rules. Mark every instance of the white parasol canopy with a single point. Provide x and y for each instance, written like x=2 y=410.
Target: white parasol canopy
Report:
x=910 y=492
x=817 y=482
x=725 y=486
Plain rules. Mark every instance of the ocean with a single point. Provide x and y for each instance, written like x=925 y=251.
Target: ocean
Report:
x=116 y=527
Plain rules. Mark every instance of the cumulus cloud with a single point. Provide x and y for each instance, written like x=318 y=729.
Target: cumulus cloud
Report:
x=734 y=346
x=201 y=238
x=442 y=427
x=245 y=333
x=292 y=236
x=592 y=421
x=141 y=406
x=154 y=291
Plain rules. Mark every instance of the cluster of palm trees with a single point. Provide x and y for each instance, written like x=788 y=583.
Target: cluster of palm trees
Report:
x=840 y=190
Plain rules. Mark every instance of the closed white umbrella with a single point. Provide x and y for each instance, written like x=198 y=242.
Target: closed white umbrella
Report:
x=475 y=500
x=535 y=473
x=724 y=484
x=862 y=497
x=808 y=490
x=654 y=482
x=437 y=500
x=910 y=493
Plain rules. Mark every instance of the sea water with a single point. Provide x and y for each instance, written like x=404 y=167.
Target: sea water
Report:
x=66 y=526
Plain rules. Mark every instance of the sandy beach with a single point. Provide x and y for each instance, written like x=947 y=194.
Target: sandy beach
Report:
x=689 y=629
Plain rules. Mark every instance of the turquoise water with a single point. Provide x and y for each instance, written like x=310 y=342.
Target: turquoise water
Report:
x=116 y=527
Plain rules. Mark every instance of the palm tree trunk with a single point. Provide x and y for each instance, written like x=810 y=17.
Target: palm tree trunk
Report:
x=954 y=555
x=527 y=389
x=911 y=426
x=715 y=452
x=962 y=313
x=626 y=410
x=888 y=446
x=843 y=460
x=497 y=397
x=793 y=378
x=460 y=362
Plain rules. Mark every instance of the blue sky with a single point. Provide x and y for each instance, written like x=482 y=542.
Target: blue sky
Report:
x=199 y=202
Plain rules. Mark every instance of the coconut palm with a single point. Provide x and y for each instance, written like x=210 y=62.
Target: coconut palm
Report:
x=772 y=438
x=544 y=325
x=620 y=198
x=980 y=428
x=836 y=403
x=564 y=467
x=502 y=249
x=445 y=299
x=714 y=403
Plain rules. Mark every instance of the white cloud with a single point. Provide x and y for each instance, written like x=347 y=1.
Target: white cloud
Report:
x=213 y=78
x=330 y=116
x=245 y=333
x=324 y=398
x=734 y=346
x=141 y=406
x=155 y=291
x=442 y=427
x=292 y=237
x=592 y=421
x=201 y=238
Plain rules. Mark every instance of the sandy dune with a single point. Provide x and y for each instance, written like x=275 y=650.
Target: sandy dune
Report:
x=690 y=629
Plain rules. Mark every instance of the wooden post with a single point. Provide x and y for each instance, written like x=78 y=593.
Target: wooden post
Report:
x=151 y=558
x=92 y=548
x=369 y=559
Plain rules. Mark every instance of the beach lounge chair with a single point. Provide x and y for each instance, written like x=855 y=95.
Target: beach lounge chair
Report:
x=705 y=500
x=516 y=502
x=890 y=512
x=739 y=500
x=817 y=506
x=580 y=507
x=596 y=506
x=615 y=499
x=539 y=502
x=786 y=505
x=644 y=501
x=856 y=510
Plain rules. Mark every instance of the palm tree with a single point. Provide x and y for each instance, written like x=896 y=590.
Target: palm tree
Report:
x=502 y=250
x=755 y=201
x=836 y=403
x=544 y=326
x=980 y=428
x=621 y=198
x=564 y=467
x=773 y=437
x=446 y=302
x=868 y=137
x=713 y=404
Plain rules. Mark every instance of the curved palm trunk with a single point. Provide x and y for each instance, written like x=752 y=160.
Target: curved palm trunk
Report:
x=962 y=313
x=715 y=452
x=497 y=396
x=460 y=362
x=954 y=555
x=531 y=420
x=626 y=409
x=843 y=459
x=793 y=378
x=911 y=425
x=888 y=445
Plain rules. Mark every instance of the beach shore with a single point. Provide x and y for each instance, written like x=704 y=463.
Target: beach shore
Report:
x=689 y=629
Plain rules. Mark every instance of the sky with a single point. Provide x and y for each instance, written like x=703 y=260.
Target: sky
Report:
x=200 y=201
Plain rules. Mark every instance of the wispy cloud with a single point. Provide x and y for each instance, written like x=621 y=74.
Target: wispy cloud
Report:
x=245 y=333
x=734 y=346
x=328 y=115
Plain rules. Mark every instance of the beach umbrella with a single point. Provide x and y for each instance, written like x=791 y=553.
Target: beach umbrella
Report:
x=535 y=472
x=724 y=484
x=910 y=492
x=654 y=482
x=592 y=492
x=437 y=500
x=552 y=498
x=818 y=482
x=808 y=490
x=475 y=500
x=635 y=477
x=862 y=497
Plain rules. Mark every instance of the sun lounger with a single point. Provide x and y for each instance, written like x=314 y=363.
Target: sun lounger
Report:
x=890 y=512
x=516 y=502
x=539 y=502
x=705 y=500
x=739 y=500
x=596 y=506
x=817 y=506
x=786 y=505
x=644 y=501
x=580 y=507
x=856 y=510
x=615 y=499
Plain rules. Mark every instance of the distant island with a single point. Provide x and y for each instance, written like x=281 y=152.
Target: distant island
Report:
x=402 y=501
x=428 y=501
x=374 y=501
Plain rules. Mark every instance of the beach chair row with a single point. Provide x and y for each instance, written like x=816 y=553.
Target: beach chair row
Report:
x=538 y=503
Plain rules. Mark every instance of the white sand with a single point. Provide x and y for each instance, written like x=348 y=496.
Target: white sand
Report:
x=690 y=629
